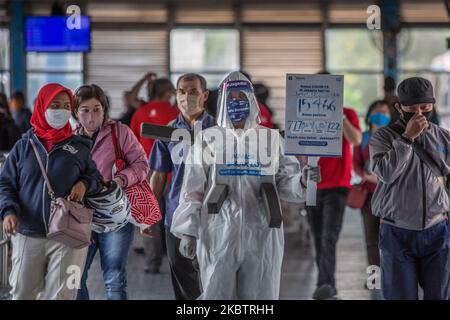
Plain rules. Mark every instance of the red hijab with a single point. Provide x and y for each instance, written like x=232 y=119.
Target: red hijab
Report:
x=42 y=129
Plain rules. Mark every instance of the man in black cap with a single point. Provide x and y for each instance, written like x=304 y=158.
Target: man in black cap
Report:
x=411 y=159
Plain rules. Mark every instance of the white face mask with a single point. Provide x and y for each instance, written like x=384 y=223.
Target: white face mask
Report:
x=57 y=119
x=190 y=104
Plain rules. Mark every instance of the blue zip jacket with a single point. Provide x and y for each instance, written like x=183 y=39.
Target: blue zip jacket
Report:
x=22 y=187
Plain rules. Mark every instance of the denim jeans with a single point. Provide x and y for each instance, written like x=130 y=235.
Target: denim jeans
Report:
x=411 y=258
x=114 y=248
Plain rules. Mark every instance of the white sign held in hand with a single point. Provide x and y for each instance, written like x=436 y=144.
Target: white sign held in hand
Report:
x=314 y=112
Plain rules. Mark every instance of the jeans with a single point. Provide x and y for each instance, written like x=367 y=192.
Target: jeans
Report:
x=325 y=220
x=411 y=258
x=114 y=248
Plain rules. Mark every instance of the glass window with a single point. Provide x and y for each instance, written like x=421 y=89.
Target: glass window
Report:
x=210 y=52
x=36 y=80
x=419 y=48
x=4 y=61
x=63 y=68
x=357 y=54
x=354 y=49
x=360 y=90
x=69 y=61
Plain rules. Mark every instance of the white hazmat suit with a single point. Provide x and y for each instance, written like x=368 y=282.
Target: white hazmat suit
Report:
x=239 y=255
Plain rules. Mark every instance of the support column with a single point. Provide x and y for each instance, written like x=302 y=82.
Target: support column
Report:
x=391 y=26
x=16 y=29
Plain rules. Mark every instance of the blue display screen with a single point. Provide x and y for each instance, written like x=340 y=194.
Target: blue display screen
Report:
x=57 y=34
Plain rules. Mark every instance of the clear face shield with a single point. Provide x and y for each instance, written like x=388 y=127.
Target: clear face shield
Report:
x=237 y=103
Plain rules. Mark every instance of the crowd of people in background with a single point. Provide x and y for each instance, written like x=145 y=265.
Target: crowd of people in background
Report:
x=181 y=105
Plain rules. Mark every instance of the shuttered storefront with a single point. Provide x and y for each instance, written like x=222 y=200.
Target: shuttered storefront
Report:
x=269 y=55
x=119 y=58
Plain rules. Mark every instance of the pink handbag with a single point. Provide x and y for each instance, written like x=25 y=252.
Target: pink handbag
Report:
x=70 y=222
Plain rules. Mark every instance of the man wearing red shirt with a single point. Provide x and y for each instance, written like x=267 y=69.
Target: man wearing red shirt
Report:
x=160 y=110
x=326 y=217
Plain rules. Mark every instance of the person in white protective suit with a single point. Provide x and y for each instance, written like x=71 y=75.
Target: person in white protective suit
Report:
x=239 y=255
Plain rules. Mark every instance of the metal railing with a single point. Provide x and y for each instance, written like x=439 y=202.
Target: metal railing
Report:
x=4 y=256
x=4 y=245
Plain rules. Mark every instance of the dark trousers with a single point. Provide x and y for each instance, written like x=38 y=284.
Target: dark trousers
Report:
x=325 y=220
x=155 y=246
x=371 y=232
x=185 y=272
x=411 y=258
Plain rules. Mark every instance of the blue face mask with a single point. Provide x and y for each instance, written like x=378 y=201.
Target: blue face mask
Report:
x=238 y=110
x=379 y=119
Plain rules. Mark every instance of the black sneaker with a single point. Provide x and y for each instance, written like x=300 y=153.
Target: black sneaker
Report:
x=325 y=292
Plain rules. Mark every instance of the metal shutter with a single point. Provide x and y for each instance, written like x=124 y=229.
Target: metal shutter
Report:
x=198 y=15
x=282 y=13
x=429 y=11
x=127 y=12
x=269 y=55
x=348 y=12
x=119 y=58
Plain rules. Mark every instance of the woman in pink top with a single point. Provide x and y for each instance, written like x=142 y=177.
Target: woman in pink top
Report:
x=91 y=111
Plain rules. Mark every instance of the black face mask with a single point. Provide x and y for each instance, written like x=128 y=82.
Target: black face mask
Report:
x=408 y=115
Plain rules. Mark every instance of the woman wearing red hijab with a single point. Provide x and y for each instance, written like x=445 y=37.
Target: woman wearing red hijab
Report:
x=40 y=265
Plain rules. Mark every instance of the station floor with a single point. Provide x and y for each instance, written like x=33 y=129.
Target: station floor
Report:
x=298 y=273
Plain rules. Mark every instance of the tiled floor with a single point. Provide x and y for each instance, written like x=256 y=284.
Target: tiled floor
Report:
x=298 y=276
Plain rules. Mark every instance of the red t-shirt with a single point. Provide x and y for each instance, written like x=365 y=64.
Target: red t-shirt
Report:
x=156 y=112
x=337 y=172
x=265 y=116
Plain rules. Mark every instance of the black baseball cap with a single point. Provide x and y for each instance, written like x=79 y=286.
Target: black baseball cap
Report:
x=415 y=90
